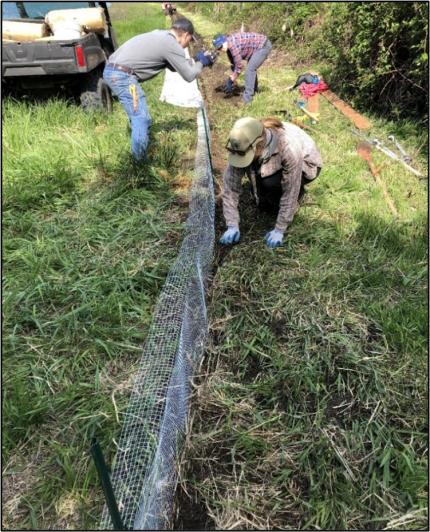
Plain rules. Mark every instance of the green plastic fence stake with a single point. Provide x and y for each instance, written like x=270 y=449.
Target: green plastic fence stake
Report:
x=103 y=473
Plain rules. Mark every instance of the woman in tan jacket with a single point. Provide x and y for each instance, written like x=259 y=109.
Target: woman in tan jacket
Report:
x=279 y=159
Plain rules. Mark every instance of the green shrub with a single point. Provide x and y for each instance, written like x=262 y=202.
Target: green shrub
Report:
x=376 y=52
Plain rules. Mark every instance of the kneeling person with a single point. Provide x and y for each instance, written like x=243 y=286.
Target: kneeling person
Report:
x=280 y=159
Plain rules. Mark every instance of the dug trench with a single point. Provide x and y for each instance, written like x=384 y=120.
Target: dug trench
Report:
x=206 y=458
x=208 y=492
x=191 y=512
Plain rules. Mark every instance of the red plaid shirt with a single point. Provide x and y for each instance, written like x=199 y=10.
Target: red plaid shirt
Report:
x=242 y=46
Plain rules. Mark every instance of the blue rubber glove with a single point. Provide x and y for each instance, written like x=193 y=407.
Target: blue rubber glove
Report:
x=274 y=238
x=231 y=236
x=229 y=86
x=205 y=59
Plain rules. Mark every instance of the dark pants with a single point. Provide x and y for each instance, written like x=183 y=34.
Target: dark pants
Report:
x=269 y=191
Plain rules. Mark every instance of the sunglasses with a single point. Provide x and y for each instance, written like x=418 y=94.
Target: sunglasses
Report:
x=241 y=152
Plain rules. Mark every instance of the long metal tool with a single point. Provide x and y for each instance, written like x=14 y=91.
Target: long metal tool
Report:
x=407 y=158
x=379 y=146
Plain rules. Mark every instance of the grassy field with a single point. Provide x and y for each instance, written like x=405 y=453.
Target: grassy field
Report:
x=87 y=243
x=311 y=410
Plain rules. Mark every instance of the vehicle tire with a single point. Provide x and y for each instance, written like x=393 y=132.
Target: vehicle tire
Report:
x=95 y=94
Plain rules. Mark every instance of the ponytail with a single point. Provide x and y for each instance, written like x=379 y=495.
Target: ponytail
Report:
x=272 y=123
x=268 y=123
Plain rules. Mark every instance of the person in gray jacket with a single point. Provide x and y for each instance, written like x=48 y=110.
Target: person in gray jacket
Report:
x=280 y=159
x=143 y=57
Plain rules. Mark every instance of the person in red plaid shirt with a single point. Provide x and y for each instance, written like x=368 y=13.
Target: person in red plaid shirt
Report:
x=252 y=47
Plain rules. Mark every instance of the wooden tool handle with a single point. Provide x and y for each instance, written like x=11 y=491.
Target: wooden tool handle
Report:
x=364 y=150
x=379 y=181
x=310 y=115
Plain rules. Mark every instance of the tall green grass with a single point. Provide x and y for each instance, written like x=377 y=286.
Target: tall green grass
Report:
x=311 y=411
x=88 y=239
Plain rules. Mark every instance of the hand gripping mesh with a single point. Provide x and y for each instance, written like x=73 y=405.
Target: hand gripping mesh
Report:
x=144 y=473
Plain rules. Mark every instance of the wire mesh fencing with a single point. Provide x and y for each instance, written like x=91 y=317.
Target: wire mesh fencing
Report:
x=144 y=473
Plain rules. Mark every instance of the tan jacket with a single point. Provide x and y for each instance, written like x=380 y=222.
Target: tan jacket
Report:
x=290 y=150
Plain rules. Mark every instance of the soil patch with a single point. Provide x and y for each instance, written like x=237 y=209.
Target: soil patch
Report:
x=193 y=514
x=213 y=83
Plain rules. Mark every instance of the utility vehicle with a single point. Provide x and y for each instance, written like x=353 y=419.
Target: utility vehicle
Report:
x=73 y=65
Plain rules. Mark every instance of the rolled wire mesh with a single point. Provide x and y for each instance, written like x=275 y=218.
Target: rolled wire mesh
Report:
x=144 y=473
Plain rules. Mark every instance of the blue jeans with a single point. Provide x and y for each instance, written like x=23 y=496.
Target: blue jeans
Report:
x=255 y=61
x=124 y=85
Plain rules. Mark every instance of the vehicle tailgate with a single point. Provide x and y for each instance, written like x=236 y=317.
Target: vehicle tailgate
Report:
x=50 y=57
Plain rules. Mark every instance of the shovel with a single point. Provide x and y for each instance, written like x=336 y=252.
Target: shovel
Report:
x=364 y=150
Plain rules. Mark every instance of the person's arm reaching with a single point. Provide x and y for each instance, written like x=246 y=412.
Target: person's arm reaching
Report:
x=232 y=187
x=175 y=56
x=237 y=60
x=292 y=165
